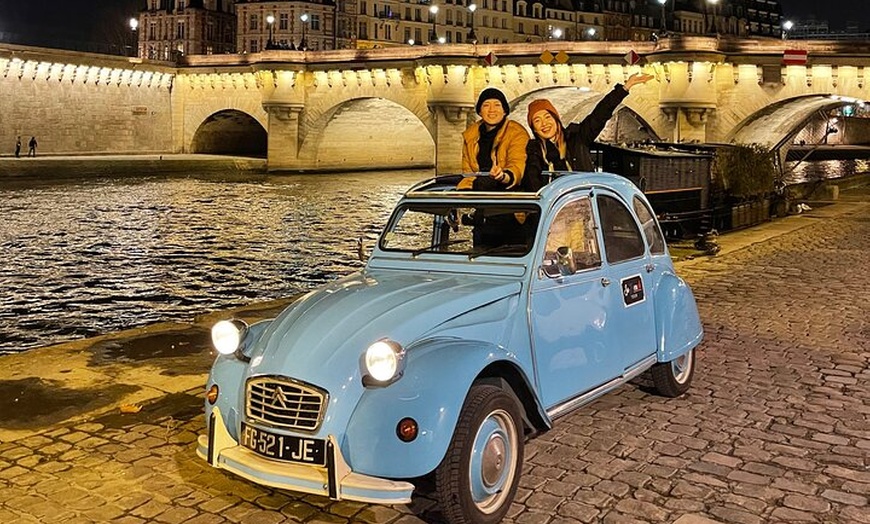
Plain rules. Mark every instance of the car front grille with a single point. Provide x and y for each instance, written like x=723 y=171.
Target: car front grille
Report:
x=285 y=403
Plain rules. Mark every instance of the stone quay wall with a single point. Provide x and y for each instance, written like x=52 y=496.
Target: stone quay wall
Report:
x=76 y=103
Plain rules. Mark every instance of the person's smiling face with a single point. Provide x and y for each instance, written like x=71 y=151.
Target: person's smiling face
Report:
x=492 y=112
x=544 y=125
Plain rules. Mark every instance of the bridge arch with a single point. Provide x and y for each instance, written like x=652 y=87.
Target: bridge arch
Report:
x=367 y=132
x=230 y=132
x=774 y=126
x=575 y=103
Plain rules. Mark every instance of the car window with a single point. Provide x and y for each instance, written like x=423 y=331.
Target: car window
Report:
x=622 y=240
x=650 y=228
x=571 y=242
x=470 y=230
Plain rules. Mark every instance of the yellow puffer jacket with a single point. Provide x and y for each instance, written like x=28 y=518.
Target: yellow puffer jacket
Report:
x=508 y=150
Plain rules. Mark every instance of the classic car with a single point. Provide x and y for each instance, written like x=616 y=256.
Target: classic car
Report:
x=479 y=319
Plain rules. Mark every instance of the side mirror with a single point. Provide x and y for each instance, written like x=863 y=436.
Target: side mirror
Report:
x=563 y=265
x=361 y=250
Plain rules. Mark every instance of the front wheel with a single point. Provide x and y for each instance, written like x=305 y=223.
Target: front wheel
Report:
x=477 y=480
x=673 y=378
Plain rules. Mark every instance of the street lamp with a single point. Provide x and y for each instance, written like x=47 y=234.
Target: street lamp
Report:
x=714 y=27
x=271 y=21
x=411 y=41
x=471 y=36
x=433 y=12
x=787 y=26
x=304 y=18
x=556 y=33
x=134 y=25
x=591 y=32
x=664 y=23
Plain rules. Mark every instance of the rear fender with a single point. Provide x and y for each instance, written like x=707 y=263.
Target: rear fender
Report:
x=678 y=325
x=437 y=379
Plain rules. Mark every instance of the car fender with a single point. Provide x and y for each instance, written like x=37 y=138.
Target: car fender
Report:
x=229 y=373
x=678 y=325
x=438 y=376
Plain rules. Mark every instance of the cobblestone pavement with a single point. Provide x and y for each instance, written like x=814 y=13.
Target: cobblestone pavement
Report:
x=774 y=429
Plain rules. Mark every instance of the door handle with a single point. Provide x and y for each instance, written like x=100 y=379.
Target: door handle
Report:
x=650 y=268
x=605 y=282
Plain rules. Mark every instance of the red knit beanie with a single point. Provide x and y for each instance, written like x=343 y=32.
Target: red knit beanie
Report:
x=542 y=103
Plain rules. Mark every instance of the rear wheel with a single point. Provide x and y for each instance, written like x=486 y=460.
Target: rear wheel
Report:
x=673 y=378
x=477 y=480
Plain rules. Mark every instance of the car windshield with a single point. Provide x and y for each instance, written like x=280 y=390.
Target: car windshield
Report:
x=472 y=230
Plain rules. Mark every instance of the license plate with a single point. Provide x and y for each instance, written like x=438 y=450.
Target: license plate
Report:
x=284 y=447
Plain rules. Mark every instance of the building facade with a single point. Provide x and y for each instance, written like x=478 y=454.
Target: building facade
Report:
x=296 y=24
x=172 y=27
x=169 y=28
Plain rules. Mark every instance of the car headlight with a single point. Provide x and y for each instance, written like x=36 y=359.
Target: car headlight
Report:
x=227 y=335
x=384 y=360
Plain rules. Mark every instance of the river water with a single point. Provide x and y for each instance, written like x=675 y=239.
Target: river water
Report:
x=83 y=257
x=89 y=257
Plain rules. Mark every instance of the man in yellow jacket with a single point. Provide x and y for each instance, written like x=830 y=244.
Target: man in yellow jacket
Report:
x=494 y=145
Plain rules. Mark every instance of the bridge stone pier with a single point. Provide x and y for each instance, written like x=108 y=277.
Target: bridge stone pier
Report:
x=406 y=107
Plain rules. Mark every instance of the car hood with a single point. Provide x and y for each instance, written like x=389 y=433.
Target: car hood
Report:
x=321 y=338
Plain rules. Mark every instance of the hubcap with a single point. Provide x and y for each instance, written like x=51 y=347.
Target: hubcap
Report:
x=492 y=466
x=681 y=367
x=493 y=460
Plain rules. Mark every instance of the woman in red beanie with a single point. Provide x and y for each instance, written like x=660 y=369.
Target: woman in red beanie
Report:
x=559 y=148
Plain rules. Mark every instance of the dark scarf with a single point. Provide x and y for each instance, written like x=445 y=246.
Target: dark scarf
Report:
x=556 y=162
x=484 y=144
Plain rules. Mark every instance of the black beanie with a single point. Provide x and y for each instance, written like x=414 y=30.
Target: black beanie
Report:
x=491 y=93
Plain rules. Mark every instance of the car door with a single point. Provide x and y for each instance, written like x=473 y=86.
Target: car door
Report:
x=631 y=327
x=569 y=308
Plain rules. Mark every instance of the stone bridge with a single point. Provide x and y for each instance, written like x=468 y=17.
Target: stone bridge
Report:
x=406 y=106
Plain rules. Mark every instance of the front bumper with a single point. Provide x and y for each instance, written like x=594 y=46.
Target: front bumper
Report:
x=335 y=481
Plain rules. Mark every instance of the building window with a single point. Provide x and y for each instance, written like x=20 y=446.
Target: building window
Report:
x=418 y=35
x=520 y=28
x=255 y=46
x=254 y=23
x=283 y=21
x=315 y=22
x=179 y=30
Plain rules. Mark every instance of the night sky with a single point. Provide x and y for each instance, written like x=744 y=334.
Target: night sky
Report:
x=96 y=25
x=837 y=12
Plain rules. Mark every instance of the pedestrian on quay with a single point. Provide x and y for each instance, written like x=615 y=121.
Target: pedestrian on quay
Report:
x=18 y=147
x=32 y=144
x=494 y=145
x=556 y=147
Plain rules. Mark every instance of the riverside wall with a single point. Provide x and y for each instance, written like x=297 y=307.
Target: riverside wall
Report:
x=79 y=103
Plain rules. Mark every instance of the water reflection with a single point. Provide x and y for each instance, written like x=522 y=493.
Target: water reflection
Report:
x=87 y=257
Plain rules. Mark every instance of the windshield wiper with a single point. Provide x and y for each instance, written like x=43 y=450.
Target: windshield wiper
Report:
x=496 y=249
x=438 y=246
